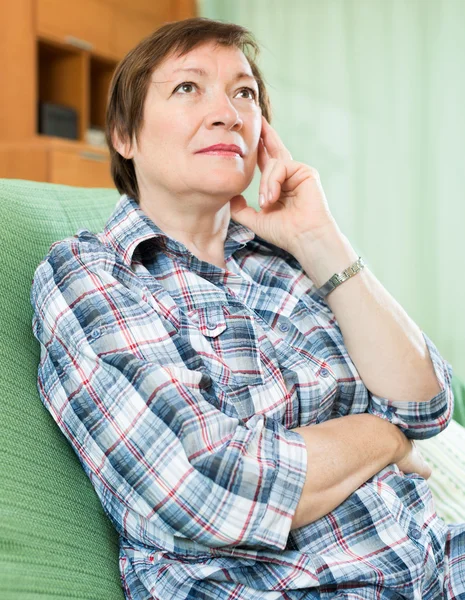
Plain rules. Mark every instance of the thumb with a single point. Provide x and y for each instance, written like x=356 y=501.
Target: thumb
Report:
x=242 y=213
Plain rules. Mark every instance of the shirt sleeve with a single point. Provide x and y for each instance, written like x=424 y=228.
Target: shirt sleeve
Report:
x=420 y=420
x=159 y=453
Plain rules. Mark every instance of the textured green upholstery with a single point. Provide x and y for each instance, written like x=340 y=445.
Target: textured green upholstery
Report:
x=55 y=540
x=458 y=388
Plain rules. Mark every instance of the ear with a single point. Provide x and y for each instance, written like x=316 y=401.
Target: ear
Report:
x=123 y=147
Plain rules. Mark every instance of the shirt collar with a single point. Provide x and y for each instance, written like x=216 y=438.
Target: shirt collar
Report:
x=128 y=226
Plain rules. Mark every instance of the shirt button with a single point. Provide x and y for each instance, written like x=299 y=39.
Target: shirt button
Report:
x=283 y=326
x=96 y=333
x=415 y=533
x=324 y=372
x=211 y=325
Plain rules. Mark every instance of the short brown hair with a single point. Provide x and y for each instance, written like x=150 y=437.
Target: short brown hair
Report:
x=129 y=85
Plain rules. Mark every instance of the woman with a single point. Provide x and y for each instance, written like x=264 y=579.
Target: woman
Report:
x=245 y=418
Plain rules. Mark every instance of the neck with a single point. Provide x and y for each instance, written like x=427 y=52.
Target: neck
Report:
x=202 y=229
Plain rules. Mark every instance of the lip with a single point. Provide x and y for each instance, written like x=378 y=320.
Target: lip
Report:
x=222 y=148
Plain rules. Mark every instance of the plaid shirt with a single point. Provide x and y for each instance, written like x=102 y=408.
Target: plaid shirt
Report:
x=178 y=385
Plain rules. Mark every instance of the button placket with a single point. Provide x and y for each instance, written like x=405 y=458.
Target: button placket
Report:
x=414 y=533
x=99 y=329
x=283 y=326
x=235 y=362
x=211 y=320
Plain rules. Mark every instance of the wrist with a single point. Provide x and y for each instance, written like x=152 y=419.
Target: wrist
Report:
x=396 y=445
x=324 y=255
x=401 y=445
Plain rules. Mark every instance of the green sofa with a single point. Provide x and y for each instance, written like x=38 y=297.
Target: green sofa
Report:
x=55 y=540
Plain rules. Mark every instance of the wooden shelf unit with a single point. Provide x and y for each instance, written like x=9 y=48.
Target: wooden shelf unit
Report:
x=63 y=79
x=101 y=72
x=65 y=52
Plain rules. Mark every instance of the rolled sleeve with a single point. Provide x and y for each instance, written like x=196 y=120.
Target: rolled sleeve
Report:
x=291 y=454
x=164 y=461
x=420 y=420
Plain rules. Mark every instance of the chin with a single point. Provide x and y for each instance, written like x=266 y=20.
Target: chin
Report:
x=233 y=183
x=224 y=195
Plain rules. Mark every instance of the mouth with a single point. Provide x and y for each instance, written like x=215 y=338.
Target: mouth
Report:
x=230 y=150
x=221 y=153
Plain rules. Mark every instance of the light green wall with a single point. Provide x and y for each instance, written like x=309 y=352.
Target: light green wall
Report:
x=372 y=94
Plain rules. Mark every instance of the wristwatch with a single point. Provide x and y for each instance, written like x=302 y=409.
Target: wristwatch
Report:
x=339 y=278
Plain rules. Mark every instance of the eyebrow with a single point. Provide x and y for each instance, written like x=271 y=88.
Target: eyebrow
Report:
x=203 y=73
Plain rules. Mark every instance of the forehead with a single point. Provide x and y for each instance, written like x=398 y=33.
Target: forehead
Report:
x=206 y=58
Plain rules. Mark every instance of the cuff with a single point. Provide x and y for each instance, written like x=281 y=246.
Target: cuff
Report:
x=420 y=420
x=290 y=457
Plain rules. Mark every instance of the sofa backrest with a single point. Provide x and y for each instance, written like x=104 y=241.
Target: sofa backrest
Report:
x=55 y=540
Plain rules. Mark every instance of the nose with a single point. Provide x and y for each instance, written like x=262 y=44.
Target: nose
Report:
x=223 y=113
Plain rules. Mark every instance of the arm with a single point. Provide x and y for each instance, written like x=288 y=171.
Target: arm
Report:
x=346 y=452
x=161 y=457
x=408 y=381
x=385 y=345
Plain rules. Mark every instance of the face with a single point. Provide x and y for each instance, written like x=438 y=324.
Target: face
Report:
x=186 y=111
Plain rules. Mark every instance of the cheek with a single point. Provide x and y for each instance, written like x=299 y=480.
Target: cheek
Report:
x=253 y=122
x=161 y=147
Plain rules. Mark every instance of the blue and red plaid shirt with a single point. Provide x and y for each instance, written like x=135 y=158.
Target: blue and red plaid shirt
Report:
x=179 y=384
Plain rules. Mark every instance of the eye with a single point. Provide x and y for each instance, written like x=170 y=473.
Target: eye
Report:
x=192 y=84
x=184 y=84
x=251 y=90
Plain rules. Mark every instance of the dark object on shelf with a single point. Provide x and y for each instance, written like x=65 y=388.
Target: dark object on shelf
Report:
x=55 y=119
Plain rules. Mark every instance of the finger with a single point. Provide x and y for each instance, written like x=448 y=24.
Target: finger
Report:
x=264 y=182
x=276 y=178
x=262 y=156
x=281 y=177
x=273 y=143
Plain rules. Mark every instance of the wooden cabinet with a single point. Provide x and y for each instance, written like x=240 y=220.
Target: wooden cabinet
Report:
x=18 y=75
x=147 y=7
x=64 y=52
x=82 y=23
x=63 y=78
x=134 y=21
x=56 y=161
x=129 y=27
x=84 y=167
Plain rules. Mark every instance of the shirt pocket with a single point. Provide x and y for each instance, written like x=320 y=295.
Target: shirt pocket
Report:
x=140 y=333
x=228 y=344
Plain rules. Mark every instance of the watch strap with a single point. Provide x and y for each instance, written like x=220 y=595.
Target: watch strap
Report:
x=339 y=278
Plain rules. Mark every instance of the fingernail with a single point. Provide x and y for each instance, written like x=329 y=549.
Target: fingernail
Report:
x=261 y=199
x=270 y=196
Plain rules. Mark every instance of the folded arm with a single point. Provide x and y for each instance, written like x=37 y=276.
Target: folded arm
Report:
x=345 y=453
x=161 y=456
x=408 y=381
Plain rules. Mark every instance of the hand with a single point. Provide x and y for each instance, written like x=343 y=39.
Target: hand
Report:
x=413 y=461
x=297 y=207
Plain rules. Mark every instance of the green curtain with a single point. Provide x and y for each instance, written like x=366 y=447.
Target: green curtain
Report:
x=372 y=94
